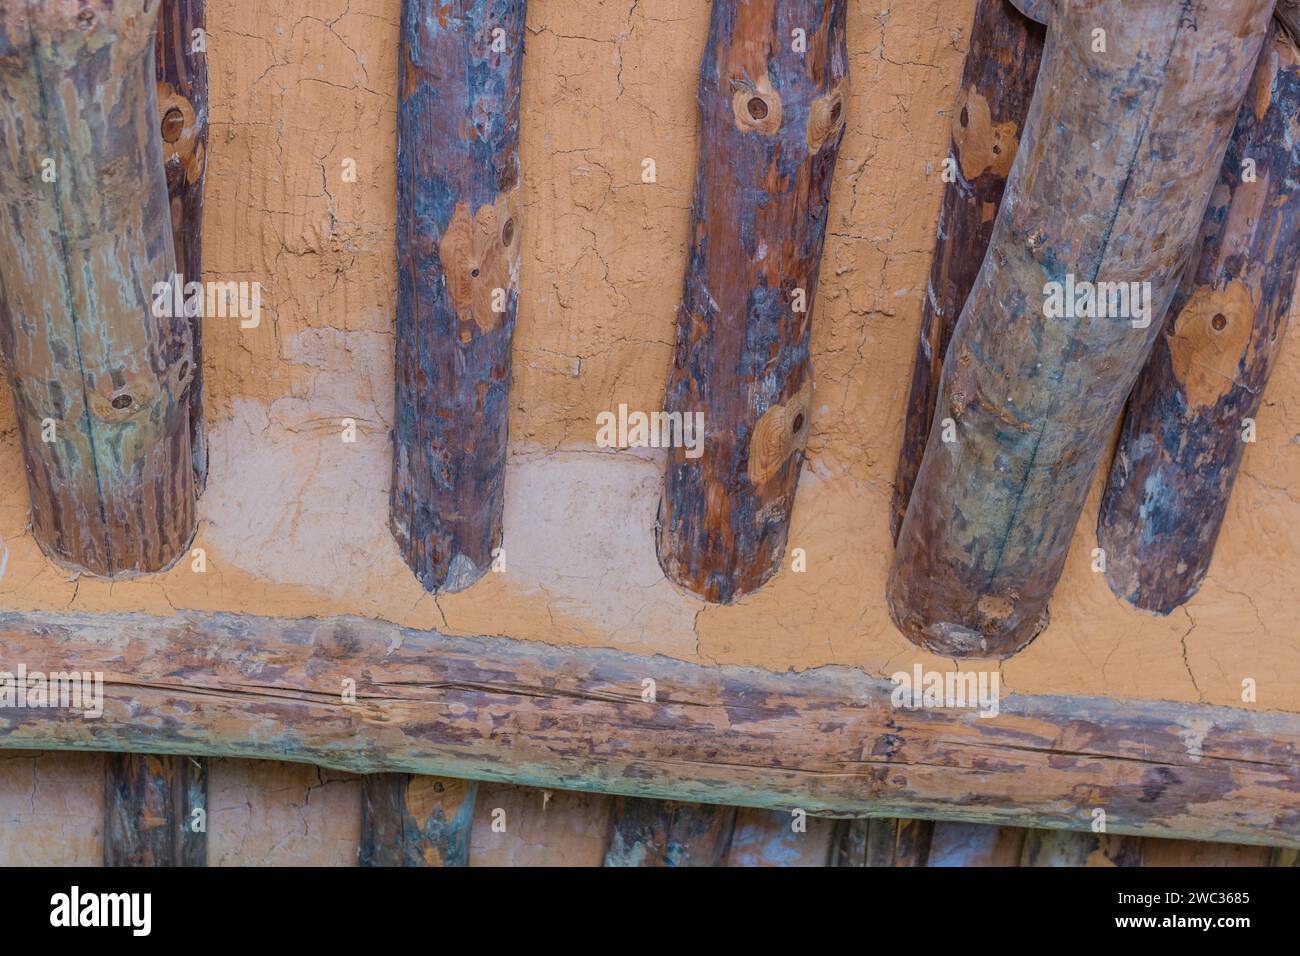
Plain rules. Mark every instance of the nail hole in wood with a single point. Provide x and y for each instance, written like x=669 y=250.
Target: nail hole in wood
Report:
x=121 y=402
x=1220 y=322
x=173 y=124
x=507 y=232
x=757 y=108
x=473 y=273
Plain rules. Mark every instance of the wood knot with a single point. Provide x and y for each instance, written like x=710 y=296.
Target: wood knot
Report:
x=826 y=118
x=480 y=259
x=1210 y=339
x=780 y=432
x=757 y=106
x=183 y=153
x=982 y=145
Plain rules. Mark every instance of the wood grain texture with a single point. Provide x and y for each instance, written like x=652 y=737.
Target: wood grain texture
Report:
x=973 y=844
x=86 y=235
x=1062 y=848
x=458 y=235
x=668 y=833
x=1115 y=167
x=409 y=820
x=827 y=740
x=183 y=121
x=882 y=841
x=771 y=121
x=772 y=838
x=997 y=83
x=1182 y=441
x=149 y=804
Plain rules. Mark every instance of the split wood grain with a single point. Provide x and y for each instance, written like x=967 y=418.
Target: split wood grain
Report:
x=827 y=740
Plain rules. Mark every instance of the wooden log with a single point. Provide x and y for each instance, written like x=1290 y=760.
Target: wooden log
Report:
x=771 y=121
x=772 y=838
x=1183 y=436
x=997 y=83
x=828 y=739
x=882 y=841
x=975 y=844
x=409 y=820
x=1115 y=167
x=668 y=833
x=1159 y=853
x=150 y=804
x=1068 y=848
x=183 y=121
x=458 y=234
x=98 y=380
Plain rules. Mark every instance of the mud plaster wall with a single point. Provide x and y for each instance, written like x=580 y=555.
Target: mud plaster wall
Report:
x=294 y=521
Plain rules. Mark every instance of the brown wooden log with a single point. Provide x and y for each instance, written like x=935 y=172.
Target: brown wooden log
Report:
x=668 y=833
x=1115 y=167
x=975 y=844
x=85 y=237
x=997 y=83
x=1068 y=848
x=771 y=120
x=828 y=739
x=183 y=121
x=458 y=234
x=409 y=820
x=882 y=841
x=150 y=804
x=1182 y=441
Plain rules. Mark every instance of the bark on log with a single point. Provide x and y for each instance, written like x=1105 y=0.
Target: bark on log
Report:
x=458 y=233
x=1182 y=441
x=828 y=740
x=99 y=382
x=997 y=84
x=149 y=810
x=1116 y=165
x=183 y=121
x=667 y=833
x=771 y=120
x=411 y=820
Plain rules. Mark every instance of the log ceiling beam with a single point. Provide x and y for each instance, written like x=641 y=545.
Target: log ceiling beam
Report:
x=367 y=696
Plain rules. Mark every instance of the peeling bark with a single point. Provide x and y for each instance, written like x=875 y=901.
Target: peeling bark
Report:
x=183 y=121
x=86 y=236
x=411 y=820
x=1116 y=165
x=827 y=740
x=997 y=84
x=1182 y=441
x=771 y=121
x=149 y=804
x=458 y=235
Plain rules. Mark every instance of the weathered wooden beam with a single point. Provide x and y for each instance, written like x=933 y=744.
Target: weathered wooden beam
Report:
x=976 y=844
x=182 y=68
x=409 y=820
x=366 y=696
x=780 y=838
x=155 y=810
x=1062 y=848
x=668 y=833
x=997 y=83
x=771 y=120
x=98 y=380
x=1125 y=136
x=1194 y=406
x=458 y=234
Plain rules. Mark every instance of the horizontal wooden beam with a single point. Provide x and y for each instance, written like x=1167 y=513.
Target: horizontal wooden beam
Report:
x=367 y=696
